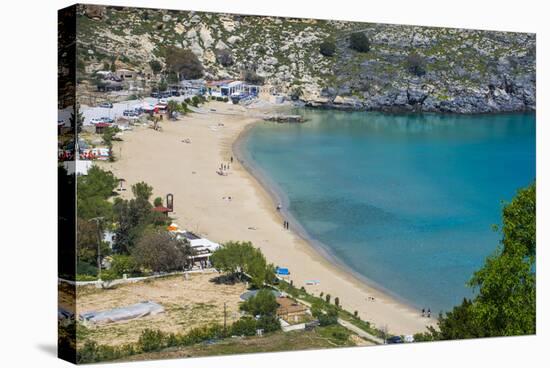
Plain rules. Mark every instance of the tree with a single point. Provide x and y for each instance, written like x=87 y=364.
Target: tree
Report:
x=134 y=216
x=327 y=47
x=416 y=64
x=172 y=78
x=93 y=193
x=519 y=223
x=86 y=241
x=157 y=202
x=263 y=303
x=184 y=62
x=162 y=86
x=505 y=304
x=241 y=258
x=359 y=42
x=156 y=66
x=142 y=190
x=160 y=251
x=224 y=57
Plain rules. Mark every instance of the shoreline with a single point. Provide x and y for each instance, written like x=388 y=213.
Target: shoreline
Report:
x=277 y=195
x=251 y=214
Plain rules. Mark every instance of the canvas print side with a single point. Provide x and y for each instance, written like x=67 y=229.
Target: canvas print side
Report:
x=66 y=178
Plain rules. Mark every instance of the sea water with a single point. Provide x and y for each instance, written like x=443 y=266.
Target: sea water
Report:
x=406 y=202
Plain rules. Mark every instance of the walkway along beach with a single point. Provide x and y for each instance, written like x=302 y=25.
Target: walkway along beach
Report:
x=188 y=171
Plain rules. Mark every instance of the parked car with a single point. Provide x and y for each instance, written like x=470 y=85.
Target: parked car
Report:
x=131 y=112
x=395 y=340
x=165 y=94
x=96 y=121
x=175 y=93
x=163 y=101
x=107 y=105
x=155 y=94
x=107 y=120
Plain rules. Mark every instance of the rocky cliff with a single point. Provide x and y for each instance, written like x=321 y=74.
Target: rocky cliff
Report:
x=407 y=68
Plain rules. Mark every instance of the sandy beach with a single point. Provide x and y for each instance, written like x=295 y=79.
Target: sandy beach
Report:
x=188 y=171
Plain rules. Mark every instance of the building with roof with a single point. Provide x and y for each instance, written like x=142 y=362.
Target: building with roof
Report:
x=289 y=309
x=162 y=209
x=228 y=87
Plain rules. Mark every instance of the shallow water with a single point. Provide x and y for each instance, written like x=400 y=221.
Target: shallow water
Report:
x=406 y=201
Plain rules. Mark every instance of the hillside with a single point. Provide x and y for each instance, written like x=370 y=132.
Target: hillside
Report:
x=407 y=68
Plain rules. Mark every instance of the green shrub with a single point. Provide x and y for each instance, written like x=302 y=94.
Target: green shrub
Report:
x=268 y=323
x=195 y=101
x=172 y=340
x=92 y=352
x=359 y=42
x=86 y=269
x=326 y=314
x=416 y=64
x=151 y=340
x=336 y=332
x=263 y=303
x=327 y=48
x=200 y=334
x=124 y=264
x=245 y=326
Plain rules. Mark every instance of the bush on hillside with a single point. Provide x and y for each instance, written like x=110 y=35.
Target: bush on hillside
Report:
x=359 y=42
x=327 y=48
x=416 y=64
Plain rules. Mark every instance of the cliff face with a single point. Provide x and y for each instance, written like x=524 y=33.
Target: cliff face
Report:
x=407 y=68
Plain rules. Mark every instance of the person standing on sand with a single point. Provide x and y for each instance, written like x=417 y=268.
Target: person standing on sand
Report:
x=429 y=313
x=423 y=312
x=231 y=159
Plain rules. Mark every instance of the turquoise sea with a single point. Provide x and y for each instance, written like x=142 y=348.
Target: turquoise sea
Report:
x=406 y=202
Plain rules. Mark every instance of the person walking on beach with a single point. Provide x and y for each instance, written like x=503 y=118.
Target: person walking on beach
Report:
x=231 y=159
x=429 y=313
x=423 y=312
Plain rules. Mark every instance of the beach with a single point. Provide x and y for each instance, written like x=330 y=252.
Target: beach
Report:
x=183 y=158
